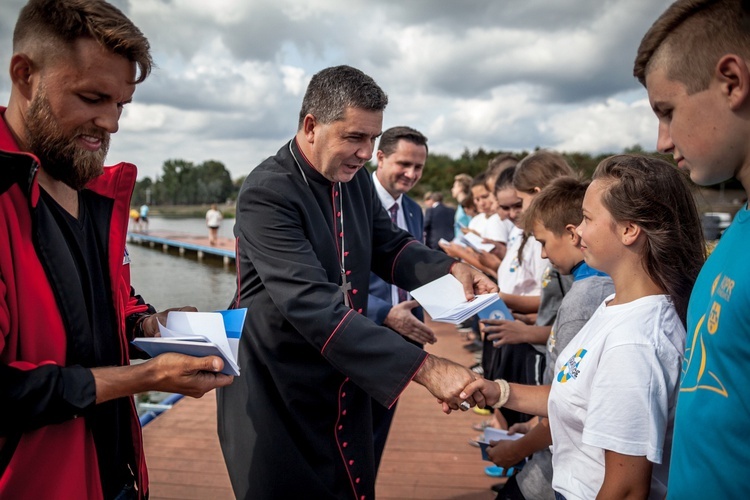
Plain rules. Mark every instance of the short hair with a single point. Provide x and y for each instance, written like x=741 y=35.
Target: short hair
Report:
x=539 y=169
x=557 y=205
x=436 y=196
x=389 y=139
x=332 y=90
x=690 y=37
x=46 y=24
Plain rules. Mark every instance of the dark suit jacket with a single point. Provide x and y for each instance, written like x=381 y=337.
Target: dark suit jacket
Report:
x=379 y=300
x=438 y=223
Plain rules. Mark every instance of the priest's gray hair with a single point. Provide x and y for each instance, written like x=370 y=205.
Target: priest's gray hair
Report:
x=334 y=89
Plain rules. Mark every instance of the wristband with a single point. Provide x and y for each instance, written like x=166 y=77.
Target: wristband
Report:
x=139 y=325
x=504 y=392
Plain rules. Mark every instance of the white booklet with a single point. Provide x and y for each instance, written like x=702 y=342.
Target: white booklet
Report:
x=444 y=300
x=199 y=334
x=476 y=242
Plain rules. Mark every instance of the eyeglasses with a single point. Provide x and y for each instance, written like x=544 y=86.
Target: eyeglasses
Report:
x=515 y=206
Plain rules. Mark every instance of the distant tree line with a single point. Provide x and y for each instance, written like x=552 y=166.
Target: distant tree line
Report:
x=185 y=183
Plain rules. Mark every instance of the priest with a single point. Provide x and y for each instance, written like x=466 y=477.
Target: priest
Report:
x=297 y=422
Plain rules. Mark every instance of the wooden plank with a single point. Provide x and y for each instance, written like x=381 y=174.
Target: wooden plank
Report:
x=427 y=455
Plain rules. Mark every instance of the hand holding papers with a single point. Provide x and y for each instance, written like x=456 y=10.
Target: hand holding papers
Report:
x=444 y=300
x=475 y=242
x=199 y=334
x=492 y=434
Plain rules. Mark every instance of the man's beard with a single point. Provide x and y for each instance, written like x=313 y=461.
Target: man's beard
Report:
x=60 y=155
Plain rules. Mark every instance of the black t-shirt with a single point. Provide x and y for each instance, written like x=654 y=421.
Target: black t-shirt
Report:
x=97 y=343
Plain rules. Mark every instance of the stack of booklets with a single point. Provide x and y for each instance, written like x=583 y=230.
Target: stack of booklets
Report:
x=444 y=300
x=199 y=334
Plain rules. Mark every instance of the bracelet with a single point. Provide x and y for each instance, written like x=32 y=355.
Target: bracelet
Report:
x=504 y=392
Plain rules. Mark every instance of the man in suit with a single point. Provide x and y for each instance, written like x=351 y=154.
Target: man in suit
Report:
x=439 y=221
x=401 y=155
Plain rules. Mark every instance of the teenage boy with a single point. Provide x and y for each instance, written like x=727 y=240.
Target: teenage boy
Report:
x=694 y=62
x=552 y=218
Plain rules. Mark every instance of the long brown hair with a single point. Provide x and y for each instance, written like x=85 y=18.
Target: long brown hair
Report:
x=656 y=197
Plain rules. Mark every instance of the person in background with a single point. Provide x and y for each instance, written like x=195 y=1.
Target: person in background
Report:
x=401 y=155
x=213 y=221
x=68 y=425
x=439 y=221
x=143 y=213
x=694 y=62
x=461 y=191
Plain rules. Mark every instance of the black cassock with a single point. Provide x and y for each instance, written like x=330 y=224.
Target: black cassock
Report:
x=297 y=422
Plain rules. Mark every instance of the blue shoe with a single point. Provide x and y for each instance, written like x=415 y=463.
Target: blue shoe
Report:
x=495 y=471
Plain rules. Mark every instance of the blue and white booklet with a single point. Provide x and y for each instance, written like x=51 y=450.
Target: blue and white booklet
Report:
x=199 y=334
x=496 y=310
x=444 y=300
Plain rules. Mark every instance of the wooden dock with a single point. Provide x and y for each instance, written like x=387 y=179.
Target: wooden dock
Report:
x=427 y=455
x=185 y=242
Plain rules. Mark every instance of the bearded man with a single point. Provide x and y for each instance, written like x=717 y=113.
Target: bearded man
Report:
x=69 y=428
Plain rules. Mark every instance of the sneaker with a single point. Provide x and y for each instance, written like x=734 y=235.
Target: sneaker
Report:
x=477 y=368
x=496 y=471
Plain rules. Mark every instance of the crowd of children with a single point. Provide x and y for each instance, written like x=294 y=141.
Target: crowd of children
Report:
x=644 y=392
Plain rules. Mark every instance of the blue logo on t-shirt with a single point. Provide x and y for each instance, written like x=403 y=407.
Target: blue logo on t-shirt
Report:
x=570 y=369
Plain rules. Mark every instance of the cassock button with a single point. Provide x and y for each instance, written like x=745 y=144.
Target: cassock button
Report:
x=354 y=292
x=348 y=272
x=346 y=254
x=343 y=394
x=338 y=214
x=357 y=480
x=341 y=234
x=351 y=462
x=341 y=427
x=343 y=412
x=344 y=444
x=362 y=497
x=359 y=310
x=335 y=193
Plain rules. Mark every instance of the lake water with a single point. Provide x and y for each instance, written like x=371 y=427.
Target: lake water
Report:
x=170 y=280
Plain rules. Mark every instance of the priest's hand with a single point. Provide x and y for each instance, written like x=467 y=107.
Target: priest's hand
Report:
x=474 y=282
x=401 y=320
x=445 y=380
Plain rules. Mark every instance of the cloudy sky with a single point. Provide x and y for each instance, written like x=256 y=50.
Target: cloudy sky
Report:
x=501 y=75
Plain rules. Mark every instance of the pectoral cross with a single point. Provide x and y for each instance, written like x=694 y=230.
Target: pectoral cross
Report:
x=345 y=288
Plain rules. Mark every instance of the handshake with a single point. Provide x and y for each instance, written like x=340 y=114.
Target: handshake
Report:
x=458 y=388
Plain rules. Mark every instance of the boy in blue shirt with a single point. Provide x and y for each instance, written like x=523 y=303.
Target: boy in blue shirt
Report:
x=694 y=62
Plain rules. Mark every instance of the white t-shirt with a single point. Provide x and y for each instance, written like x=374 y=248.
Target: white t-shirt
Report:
x=614 y=388
x=213 y=218
x=497 y=229
x=478 y=222
x=522 y=277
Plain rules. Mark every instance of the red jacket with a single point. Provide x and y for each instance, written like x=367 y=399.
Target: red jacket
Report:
x=55 y=460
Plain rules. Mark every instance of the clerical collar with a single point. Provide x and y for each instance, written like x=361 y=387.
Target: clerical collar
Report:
x=309 y=173
x=582 y=271
x=385 y=196
x=338 y=192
